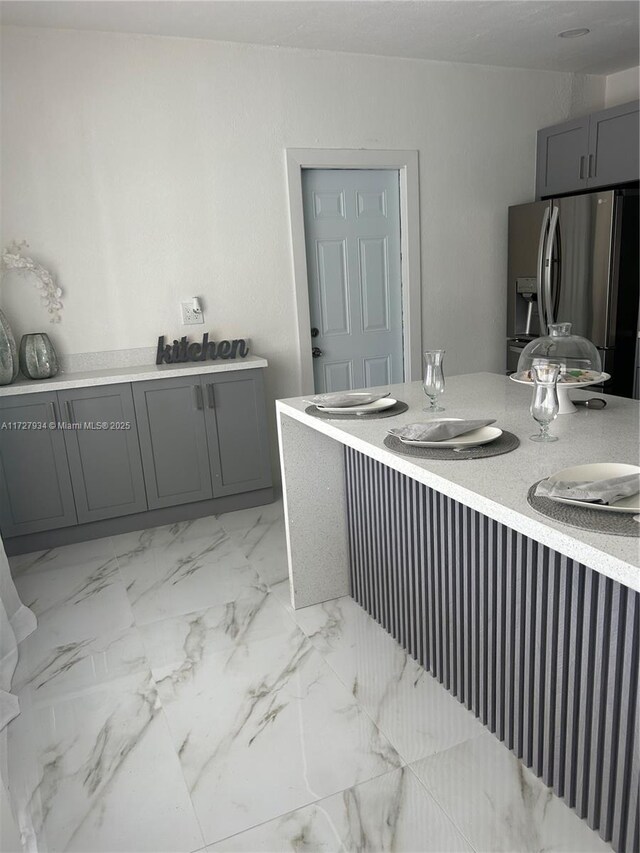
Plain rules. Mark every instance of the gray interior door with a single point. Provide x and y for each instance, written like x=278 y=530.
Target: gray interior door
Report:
x=35 y=486
x=352 y=232
x=237 y=432
x=561 y=165
x=173 y=440
x=105 y=463
x=613 y=146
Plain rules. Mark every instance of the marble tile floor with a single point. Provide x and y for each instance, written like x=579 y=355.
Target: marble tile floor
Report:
x=172 y=700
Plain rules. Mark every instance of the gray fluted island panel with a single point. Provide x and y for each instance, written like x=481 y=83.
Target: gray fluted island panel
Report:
x=531 y=624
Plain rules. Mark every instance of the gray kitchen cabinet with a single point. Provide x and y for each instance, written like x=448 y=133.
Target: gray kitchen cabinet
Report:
x=613 y=146
x=237 y=432
x=561 y=163
x=594 y=151
x=35 y=484
x=173 y=440
x=104 y=455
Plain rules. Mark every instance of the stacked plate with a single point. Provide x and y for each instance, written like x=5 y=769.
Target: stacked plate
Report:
x=352 y=402
x=592 y=474
x=472 y=438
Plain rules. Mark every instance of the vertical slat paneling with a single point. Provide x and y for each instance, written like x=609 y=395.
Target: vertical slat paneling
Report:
x=542 y=649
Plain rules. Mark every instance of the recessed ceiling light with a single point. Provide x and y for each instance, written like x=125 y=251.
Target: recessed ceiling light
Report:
x=574 y=34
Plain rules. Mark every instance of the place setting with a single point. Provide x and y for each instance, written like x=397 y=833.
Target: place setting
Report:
x=599 y=496
x=447 y=438
x=354 y=405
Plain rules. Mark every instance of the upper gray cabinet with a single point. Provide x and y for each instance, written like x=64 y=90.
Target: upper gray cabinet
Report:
x=103 y=451
x=613 y=146
x=562 y=154
x=594 y=151
x=173 y=440
x=35 y=485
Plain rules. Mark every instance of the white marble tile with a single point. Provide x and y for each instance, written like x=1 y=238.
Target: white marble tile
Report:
x=184 y=576
x=499 y=805
x=244 y=519
x=130 y=545
x=418 y=715
x=262 y=725
x=96 y=771
x=265 y=546
x=79 y=601
x=52 y=664
x=62 y=557
x=392 y=812
x=282 y=591
x=180 y=642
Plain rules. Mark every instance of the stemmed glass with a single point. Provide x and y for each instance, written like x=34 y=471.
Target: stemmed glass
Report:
x=433 y=378
x=544 y=403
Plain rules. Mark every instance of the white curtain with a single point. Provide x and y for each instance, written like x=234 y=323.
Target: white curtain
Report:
x=16 y=623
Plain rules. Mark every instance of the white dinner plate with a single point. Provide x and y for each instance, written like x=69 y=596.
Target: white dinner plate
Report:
x=376 y=406
x=599 y=471
x=484 y=435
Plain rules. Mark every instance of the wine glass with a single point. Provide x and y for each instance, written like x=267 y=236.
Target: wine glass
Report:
x=433 y=378
x=544 y=403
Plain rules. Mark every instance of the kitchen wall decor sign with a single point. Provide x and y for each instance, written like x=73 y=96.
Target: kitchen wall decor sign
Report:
x=182 y=351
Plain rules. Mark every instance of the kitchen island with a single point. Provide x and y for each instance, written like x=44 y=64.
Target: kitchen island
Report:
x=532 y=624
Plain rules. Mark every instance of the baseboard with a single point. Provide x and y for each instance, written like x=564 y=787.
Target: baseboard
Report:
x=125 y=524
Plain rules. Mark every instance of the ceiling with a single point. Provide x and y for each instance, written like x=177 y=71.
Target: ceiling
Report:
x=513 y=33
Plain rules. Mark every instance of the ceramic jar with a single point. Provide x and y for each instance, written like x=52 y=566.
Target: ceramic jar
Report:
x=38 y=359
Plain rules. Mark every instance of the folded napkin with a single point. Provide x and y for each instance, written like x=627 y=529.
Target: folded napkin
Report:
x=438 y=430
x=345 y=399
x=604 y=492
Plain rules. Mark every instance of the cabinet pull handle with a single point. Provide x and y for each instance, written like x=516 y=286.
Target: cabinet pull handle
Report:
x=67 y=406
x=54 y=415
x=199 y=403
x=211 y=396
x=590 y=172
x=581 y=174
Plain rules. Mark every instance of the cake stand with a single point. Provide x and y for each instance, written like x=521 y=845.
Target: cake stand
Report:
x=565 y=404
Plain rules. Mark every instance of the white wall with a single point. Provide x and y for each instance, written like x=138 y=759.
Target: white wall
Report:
x=144 y=170
x=622 y=87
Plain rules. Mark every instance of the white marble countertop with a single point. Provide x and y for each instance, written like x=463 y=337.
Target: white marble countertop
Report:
x=112 y=376
x=497 y=486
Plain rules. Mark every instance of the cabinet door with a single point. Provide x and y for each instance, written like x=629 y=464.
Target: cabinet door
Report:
x=613 y=146
x=35 y=486
x=237 y=431
x=104 y=457
x=561 y=165
x=173 y=440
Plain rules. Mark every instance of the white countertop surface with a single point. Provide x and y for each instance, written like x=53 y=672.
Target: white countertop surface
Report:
x=497 y=486
x=113 y=376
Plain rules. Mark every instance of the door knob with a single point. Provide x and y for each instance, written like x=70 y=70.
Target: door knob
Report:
x=316 y=352
x=315 y=332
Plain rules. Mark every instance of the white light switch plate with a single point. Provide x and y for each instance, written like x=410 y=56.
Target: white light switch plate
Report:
x=189 y=316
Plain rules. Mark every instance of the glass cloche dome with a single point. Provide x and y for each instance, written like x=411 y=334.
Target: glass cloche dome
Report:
x=578 y=358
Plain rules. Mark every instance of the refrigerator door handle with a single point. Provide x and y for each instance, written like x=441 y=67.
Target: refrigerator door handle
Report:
x=548 y=260
x=540 y=268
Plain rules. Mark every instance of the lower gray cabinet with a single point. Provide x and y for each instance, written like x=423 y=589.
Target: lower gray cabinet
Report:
x=202 y=436
x=35 y=484
x=104 y=455
x=237 y=432
x=173 y=440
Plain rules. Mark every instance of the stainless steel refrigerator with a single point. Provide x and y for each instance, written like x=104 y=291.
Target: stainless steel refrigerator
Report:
x=575 y=259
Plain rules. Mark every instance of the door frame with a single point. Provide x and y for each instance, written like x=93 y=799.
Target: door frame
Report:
x=406 y=164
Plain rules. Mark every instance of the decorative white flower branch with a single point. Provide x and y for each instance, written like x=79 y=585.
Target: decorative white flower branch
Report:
x=50 y=293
